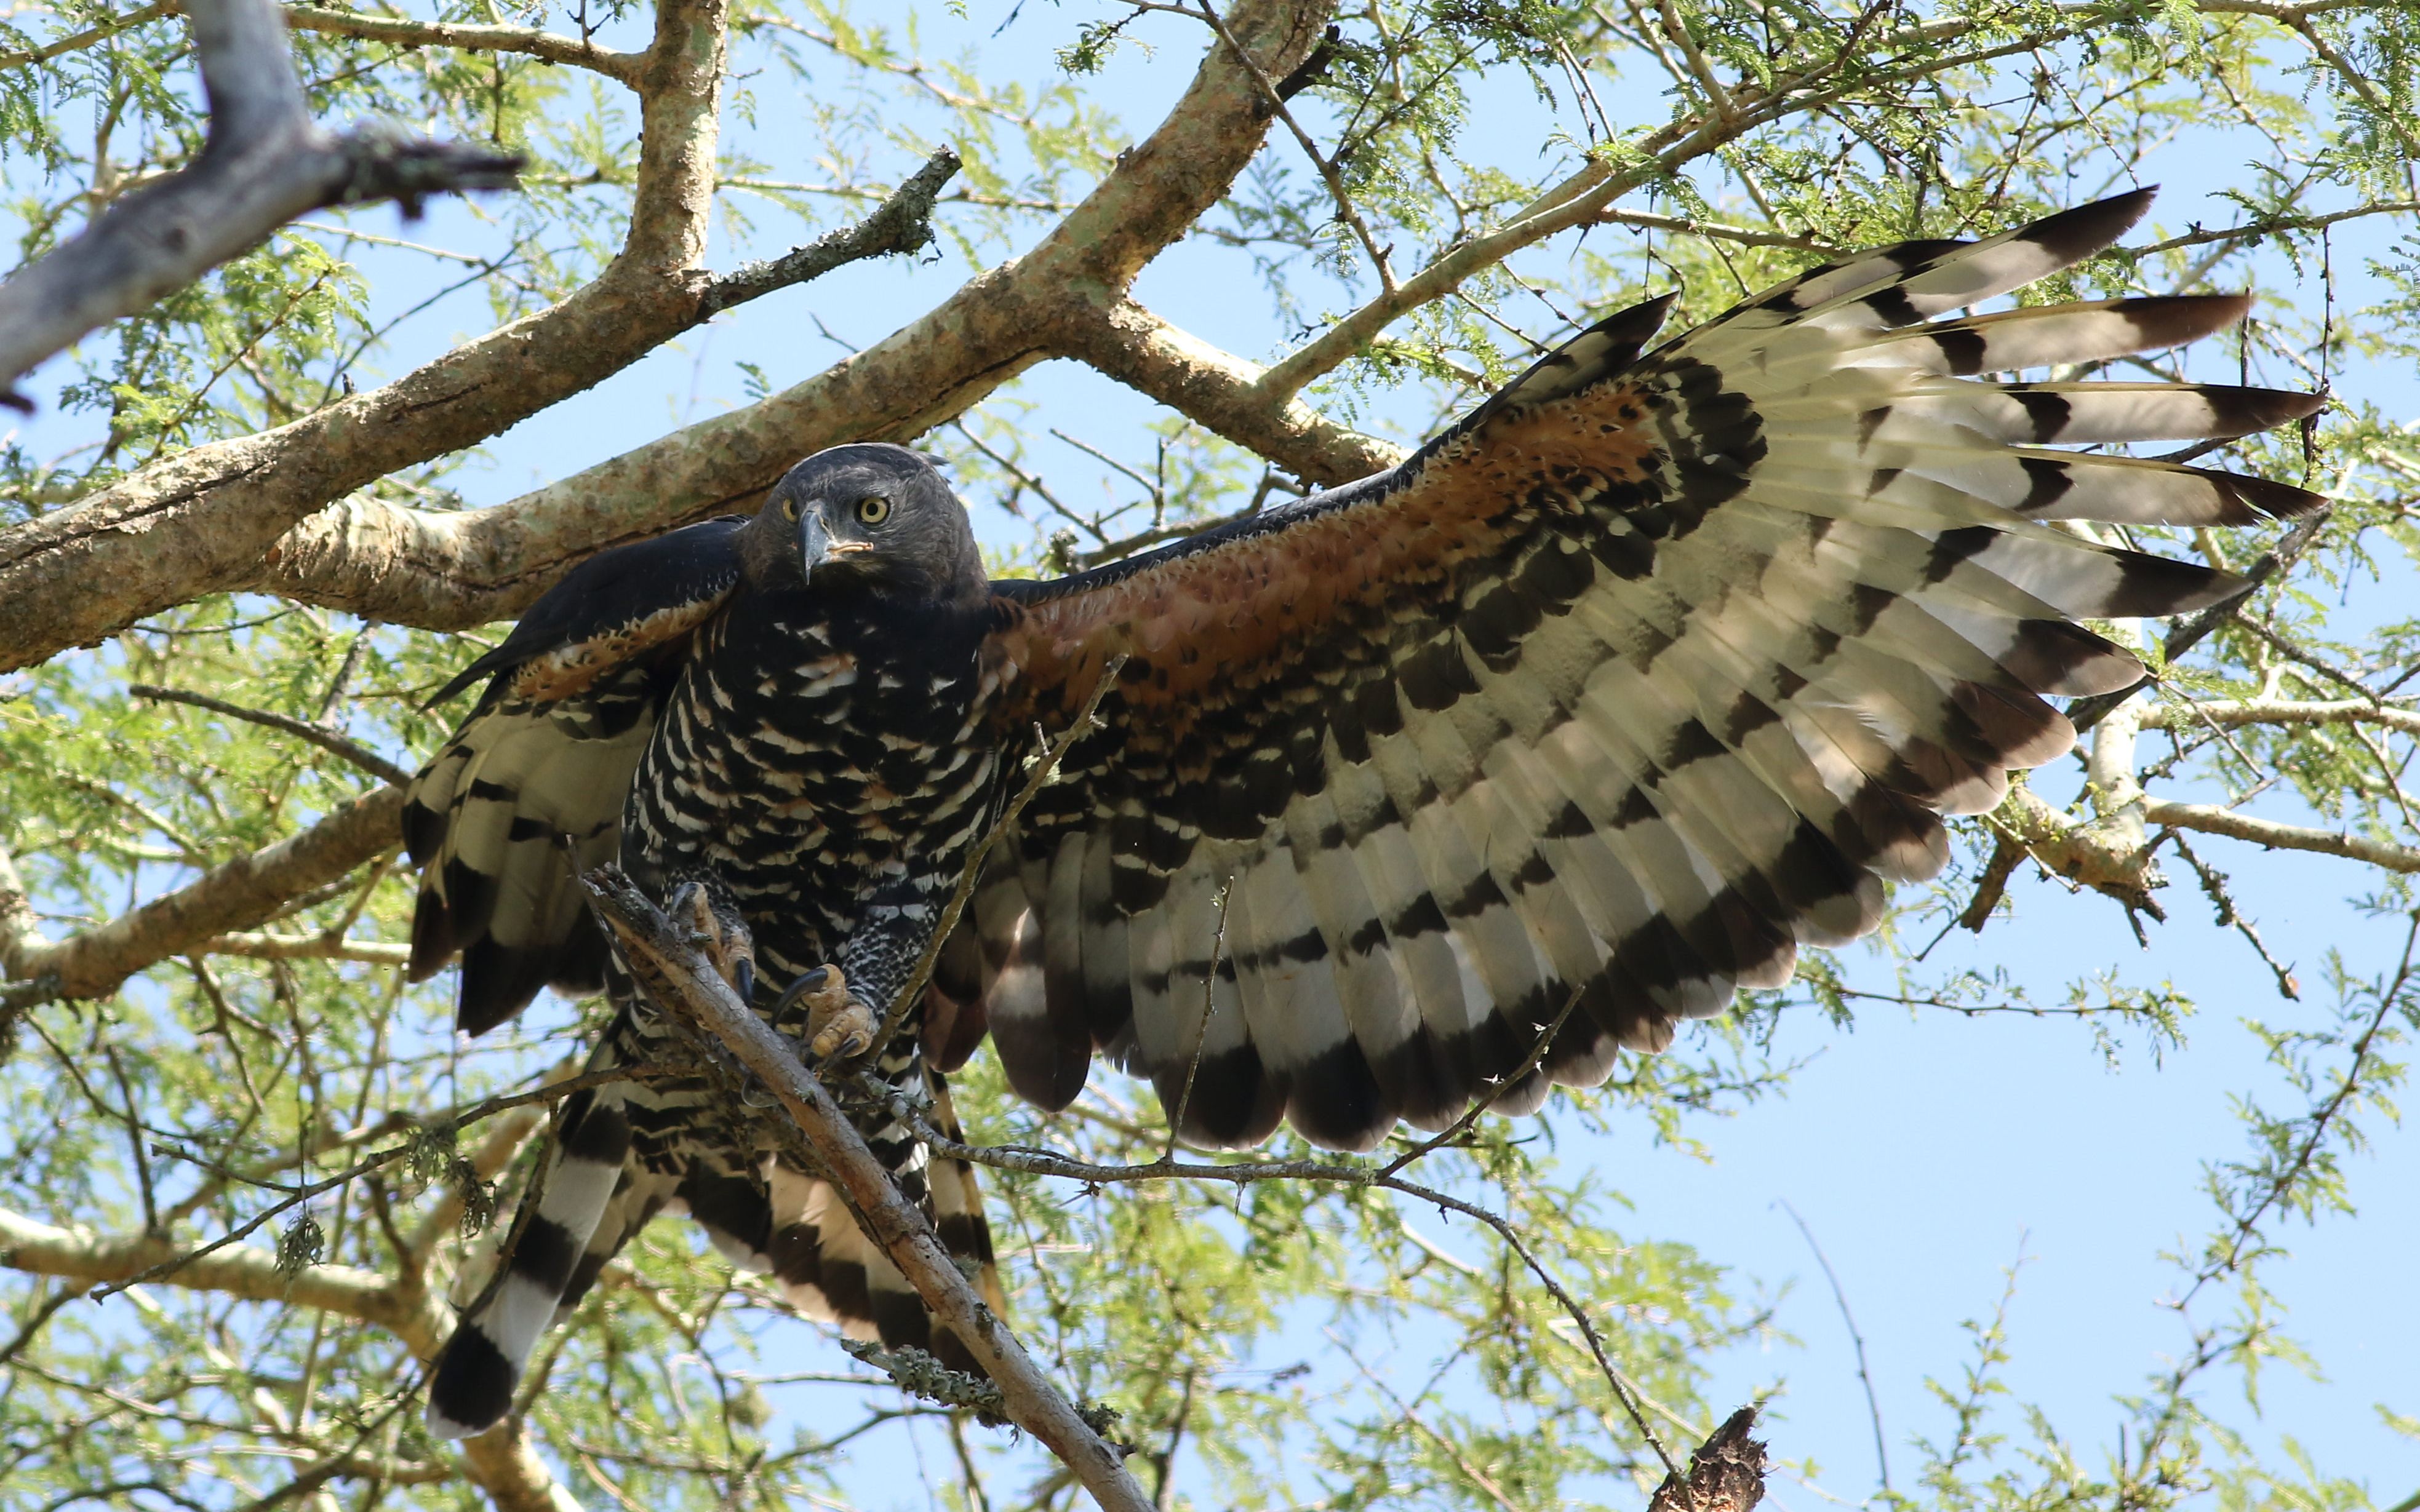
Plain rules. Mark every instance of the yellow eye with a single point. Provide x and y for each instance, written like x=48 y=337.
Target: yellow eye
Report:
x=873 y=509
x=790 y=510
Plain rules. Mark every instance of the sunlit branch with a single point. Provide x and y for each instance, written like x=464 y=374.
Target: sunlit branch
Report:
x=262 y=946
x=264 y=162
x=2254 y=230
x=2276 y=835
x=2233 y=714
x=470 y=36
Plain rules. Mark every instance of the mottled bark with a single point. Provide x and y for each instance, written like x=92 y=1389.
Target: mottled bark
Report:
x=264 y=162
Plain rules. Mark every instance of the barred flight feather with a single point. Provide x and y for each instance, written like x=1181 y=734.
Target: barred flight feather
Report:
x=1648 y=673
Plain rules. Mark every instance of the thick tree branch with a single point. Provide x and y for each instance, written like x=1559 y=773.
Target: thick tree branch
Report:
x=445 y=571
x=264 y=162
x=240 y=895
x=678 y=977
x=209 y=519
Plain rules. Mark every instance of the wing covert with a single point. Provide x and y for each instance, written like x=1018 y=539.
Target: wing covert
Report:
x=1650 y=671
x=546 y=757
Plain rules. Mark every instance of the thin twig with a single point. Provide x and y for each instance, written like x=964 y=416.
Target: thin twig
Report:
x=298 y=1194
x=1045 y=1163
x=319 y=736
x=1864 y=1376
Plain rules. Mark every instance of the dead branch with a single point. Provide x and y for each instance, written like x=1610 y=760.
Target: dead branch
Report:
x=678 y=977
x=265 y=162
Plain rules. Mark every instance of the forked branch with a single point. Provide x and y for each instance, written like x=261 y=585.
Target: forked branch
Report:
x=264 y=162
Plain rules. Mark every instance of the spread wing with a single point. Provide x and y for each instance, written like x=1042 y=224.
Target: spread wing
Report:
x=1647 y=673
x=546 y=756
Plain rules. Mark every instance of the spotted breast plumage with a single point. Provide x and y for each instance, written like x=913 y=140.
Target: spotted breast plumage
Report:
x=1647 y=673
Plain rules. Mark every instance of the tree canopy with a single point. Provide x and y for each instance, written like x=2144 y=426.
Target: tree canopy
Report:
x=1163 y=264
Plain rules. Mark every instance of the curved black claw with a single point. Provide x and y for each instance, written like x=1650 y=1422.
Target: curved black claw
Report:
x=812 y=981
x=743 y=973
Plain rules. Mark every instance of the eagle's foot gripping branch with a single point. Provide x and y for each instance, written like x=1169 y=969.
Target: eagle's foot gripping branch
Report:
x=838 y=1027
x=712 y=919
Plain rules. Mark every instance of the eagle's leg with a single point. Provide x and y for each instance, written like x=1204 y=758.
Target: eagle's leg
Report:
x=704 y=906
x=838 y=1025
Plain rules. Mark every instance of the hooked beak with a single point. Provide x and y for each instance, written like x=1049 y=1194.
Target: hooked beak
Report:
x=815 y=542
x=817 y=547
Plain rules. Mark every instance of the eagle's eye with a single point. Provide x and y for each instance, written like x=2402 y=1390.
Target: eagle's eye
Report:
x=790 y=510
x=873 y=509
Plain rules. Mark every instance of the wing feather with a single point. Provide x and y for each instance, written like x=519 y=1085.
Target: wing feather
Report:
x=1649 y=671
x=544 y=761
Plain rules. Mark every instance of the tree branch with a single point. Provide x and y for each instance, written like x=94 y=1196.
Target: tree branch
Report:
x=678 y=977
x=327 y=740
x=2211 y=819
x=209 y=518
x=265 y=947
x=237 y=896
x=500 y=1460
x=264 y=162
x=575 y=51
x=2232 y=714
x=205 y=522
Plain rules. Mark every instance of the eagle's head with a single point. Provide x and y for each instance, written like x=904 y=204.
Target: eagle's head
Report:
x=869 y=517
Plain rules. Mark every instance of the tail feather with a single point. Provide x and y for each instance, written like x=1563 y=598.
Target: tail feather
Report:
x=482 y=1365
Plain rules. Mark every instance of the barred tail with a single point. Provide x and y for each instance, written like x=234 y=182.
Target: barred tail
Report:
x=830 y=1270
x=482 y=1364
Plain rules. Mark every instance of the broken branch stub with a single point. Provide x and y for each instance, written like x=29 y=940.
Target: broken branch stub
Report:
x=1726 y=1474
